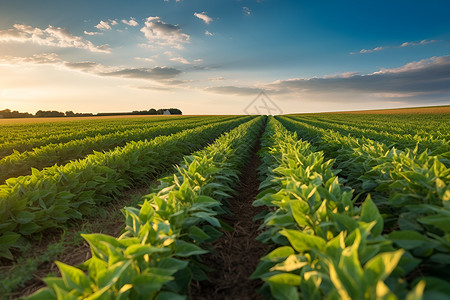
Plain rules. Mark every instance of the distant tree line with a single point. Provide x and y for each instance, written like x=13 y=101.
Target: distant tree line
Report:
x=7 y=113
x=152 y=111
x=54 y=114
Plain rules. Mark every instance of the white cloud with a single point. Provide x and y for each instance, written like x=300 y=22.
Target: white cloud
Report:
x=131 y=22
x=43 y=58
x=113 y=22
x=163 y=34
x=372 y=50
x=92 y=33
x=405 y=44
x=199 y=60
x=155 y=73
x=103 y=25
x=180 y=60
x=51 y=36
x=208 y=33
x=145 y=59
x=423 y=42
x=342 y=75
x=246 y=10
x=364 y=51
x=203 y=16
x=416 y=65
x=216 y=78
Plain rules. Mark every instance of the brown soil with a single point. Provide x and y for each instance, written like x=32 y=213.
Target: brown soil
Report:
x=111 y=223
x=238 y=253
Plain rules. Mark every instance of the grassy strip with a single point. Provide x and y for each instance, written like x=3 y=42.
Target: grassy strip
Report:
x=157 y=255
x=49 y=198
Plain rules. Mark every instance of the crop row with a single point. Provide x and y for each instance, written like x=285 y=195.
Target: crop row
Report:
x=55 y=195
x=19 y=131
x=399 y=140
x=328 y=248
x=18 y=164
x=26 y=137
x=434 y=125
x=156 y=257
x=411 y=189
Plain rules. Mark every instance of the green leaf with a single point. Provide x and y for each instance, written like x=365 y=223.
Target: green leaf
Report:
x=284 y=286
x=74 y=278
x=286 y=278
x=348 y=223
x=172 y=264
x=29 y=228
x=148 y=283
x=283 y=292
x=8 y=239
x=381 y=266
x=339 y=285
x=417 y=292
x=300 y=210
x=61 y=294
x=408 y=239
x=146 y=212
x=198 y=234
x=207 y=217
x=107 y=278
x=281 y=252
x=185 y=249
x=42 y=294
x=138 y=250
x=441 y=221
x=25 y=217
x=369 y=213
x=291 y=263
x=303 y=242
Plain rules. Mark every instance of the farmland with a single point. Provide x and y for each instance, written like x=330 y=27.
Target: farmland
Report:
x=305 y=206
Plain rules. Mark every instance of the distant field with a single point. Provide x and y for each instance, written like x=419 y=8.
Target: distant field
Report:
x=62 y=119
x=412 y=110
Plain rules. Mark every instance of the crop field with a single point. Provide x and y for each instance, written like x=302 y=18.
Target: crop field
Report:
x=308 y=206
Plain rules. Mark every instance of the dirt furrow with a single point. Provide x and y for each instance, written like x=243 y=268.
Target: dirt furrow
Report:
x=238 y=252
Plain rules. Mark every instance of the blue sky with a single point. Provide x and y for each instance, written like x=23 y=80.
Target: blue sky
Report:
x=213 y=57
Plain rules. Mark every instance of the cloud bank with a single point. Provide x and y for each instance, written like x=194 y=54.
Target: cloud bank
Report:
x=164 y=75
x=426 y=77
x=51 y=36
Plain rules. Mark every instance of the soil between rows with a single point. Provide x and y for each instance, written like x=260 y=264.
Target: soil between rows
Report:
x=238 y=251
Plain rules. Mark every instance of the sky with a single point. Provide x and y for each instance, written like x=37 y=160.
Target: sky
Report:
x=216 y=57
